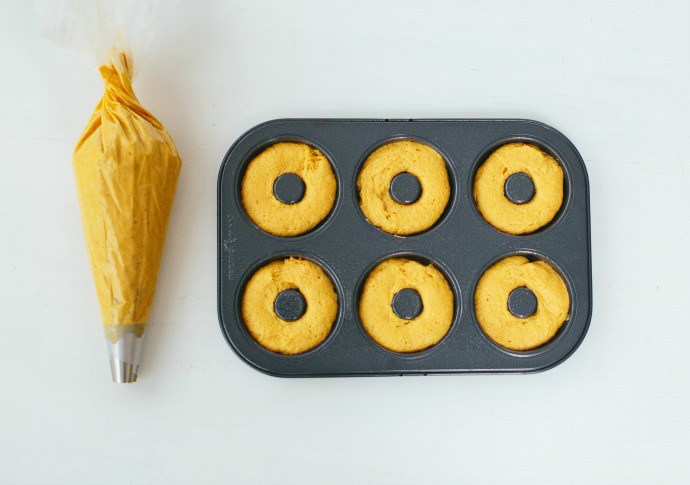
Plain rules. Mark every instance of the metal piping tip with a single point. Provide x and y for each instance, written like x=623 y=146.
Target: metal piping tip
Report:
x=123 y=372
x=124 y=343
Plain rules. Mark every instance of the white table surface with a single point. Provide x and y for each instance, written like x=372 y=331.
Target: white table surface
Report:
x=613 y=76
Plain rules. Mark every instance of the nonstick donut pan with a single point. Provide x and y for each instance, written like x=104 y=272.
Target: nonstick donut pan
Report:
x=462 y=245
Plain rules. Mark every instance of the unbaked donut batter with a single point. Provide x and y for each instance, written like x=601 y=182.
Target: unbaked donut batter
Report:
x=391 y=331
x=491 y=303
x=497 y=209
x=374 y=180
x=304 y=333
x=262 y=206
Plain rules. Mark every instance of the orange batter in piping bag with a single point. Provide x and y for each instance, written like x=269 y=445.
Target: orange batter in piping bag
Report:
x=126 y=168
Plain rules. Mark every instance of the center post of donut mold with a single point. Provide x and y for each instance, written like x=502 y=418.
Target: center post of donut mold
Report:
x=405 y=188
x=289 y=188
x=407 y=304
x=290 y=305
x=522 y=302
x=519 y=188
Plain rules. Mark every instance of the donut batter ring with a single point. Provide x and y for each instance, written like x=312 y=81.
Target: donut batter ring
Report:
x=261 y=204
x=497 y=209
x=491 y=303
x=300 y=335
x=375 y=177
x=389 y=330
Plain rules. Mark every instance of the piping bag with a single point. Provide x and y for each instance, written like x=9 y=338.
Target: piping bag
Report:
x=126 y=168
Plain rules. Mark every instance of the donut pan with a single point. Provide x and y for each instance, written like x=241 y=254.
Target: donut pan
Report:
x=462 y=245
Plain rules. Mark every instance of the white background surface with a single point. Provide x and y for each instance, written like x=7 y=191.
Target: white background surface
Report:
x=613 y=76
